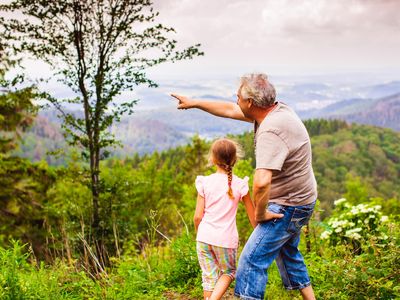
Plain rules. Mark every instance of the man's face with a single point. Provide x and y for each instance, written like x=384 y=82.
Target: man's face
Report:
x=244 y=104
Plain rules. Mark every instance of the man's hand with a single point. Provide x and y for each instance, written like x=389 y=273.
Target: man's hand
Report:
x=184 y=102
x=268 y=215
x=224 y=109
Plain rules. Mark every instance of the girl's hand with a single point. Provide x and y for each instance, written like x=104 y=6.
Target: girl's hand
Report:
x=184 y=102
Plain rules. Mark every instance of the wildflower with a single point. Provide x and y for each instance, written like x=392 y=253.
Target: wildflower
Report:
x=354 y=235
x=339 y=201
x=384 y=219
x=325 y=235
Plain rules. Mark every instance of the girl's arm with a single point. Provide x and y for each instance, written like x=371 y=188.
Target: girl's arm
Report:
x=199 y=213
x=250 y=209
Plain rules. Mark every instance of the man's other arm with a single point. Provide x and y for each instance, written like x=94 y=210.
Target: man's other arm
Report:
x=261 y=187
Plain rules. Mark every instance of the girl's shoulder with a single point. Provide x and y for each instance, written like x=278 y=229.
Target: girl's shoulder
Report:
x=202 y=182
x=208 y=178
x=242 y=180
x=203 y=177
x=241 y=184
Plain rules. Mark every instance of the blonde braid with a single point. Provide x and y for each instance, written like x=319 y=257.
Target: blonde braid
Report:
x=228 y=169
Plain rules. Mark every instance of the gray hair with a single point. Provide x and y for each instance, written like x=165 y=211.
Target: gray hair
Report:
x=258 y=88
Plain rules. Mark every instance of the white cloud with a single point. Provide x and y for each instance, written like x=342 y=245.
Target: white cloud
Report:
x=284 y=34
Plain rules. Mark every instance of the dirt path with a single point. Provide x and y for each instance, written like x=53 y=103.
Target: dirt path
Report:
x=170 y=295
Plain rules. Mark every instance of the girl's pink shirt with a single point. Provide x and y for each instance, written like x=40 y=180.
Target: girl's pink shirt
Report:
x=218 y=226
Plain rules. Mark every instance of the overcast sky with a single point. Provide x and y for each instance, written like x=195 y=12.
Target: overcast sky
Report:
x=280 y=37
x=285 y=36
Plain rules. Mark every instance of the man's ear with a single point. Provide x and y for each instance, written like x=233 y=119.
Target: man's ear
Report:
x=250 y=103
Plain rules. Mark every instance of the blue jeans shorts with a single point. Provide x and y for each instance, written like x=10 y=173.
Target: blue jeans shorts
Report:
x=276 y=239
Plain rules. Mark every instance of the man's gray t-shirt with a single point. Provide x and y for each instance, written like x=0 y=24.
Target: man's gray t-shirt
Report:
x=283 y=146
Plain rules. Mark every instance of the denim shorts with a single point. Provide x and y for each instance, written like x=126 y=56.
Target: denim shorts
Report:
x=276 y=239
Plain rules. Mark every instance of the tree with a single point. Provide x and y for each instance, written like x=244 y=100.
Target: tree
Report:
x=23 y=184
x=98 y=48
x=17 y=111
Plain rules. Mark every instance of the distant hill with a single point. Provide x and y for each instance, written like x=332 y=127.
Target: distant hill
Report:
x=384 y=89
x=146 y=136
x=43 y=137
x=143 y=132
x=158 y=129
x=382 y=112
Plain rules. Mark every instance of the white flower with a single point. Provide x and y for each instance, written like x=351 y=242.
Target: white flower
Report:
x=339 y=229
x=358 y=229
x=339 y=223
x=339 y=201
x=384 y=219
x=325 y=235
x=354 y=235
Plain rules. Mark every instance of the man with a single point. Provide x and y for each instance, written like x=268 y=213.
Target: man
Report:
x=284 y=186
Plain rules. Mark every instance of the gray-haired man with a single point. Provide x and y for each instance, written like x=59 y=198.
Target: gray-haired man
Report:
x=284 y=186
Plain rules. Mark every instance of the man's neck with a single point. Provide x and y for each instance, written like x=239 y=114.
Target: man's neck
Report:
x=262 y=113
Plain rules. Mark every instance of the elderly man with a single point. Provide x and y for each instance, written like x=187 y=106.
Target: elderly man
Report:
x=284 y=186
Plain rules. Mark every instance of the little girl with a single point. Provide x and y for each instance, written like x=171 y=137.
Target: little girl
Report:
x=215 y=219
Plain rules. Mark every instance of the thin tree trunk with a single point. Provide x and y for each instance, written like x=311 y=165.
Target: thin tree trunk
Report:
x=90 y=132
x=66 y=242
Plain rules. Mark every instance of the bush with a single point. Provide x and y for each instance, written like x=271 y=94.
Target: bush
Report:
x=353 y=225
x=358 y=260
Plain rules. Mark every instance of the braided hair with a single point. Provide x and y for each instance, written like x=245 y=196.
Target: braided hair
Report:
x=224 y=153
x=228 y=170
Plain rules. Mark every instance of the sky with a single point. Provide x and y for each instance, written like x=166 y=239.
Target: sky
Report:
x=299 y=37
x=298 y=40
x=284 y=36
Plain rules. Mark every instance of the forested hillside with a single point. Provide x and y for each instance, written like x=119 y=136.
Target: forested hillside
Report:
x=157 y=130
x=148 y=203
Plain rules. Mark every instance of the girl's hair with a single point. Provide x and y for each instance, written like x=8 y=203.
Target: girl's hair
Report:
x=224 y=153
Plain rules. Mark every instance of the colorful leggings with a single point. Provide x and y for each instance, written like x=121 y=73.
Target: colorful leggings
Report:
x=215 y=261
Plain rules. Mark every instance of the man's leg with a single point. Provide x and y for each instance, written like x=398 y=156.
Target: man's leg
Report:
x=259 y=252
x=290 y=262
x=293 y=270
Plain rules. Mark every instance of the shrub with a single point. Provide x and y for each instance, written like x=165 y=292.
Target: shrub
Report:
x=354 y=224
